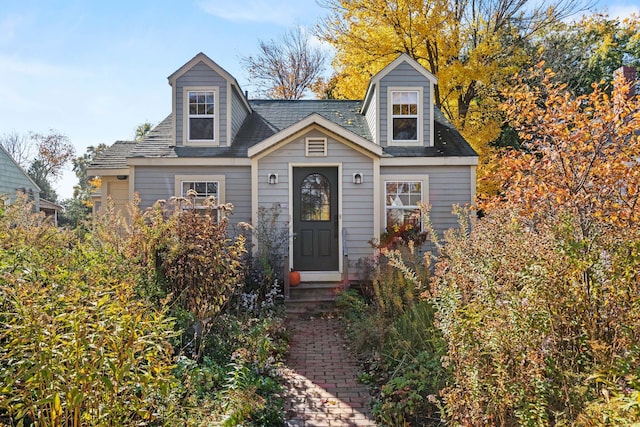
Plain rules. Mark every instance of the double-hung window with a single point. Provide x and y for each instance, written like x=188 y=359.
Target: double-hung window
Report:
x=404 y=119
x=204 y=186
x=203 y=189
x=401 y=201
x=200 y=123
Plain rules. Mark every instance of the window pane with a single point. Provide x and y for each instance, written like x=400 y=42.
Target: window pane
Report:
x=409 y=97
x=201 y=103
x=405 y=129
x=397 y=216
x=200 y=128
x=403 y=193
x=203 y=188
x=212 y=188
x=315 y=198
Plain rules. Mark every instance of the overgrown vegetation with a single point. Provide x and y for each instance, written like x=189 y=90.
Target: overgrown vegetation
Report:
x=133 y=324
x=531 y=315
x=392 y=328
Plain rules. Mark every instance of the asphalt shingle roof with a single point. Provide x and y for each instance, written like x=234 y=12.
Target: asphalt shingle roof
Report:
x=115 y=156
x=272 y=116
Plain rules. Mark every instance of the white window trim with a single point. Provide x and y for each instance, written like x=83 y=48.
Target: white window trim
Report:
x=424 y=179
x=220 y=179
x=420 y=125
x=216 y=116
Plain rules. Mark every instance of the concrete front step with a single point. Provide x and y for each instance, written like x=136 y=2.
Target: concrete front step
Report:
x=308 y=290
x=312 y=297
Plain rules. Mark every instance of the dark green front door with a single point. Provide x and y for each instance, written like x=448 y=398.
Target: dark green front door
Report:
x=315 y=219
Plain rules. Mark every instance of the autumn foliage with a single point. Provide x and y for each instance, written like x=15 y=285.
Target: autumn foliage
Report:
x=536 y=304
x=581 y=154
x=538 y=300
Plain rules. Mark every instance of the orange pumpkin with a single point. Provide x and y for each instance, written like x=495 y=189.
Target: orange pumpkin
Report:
x=294 y=278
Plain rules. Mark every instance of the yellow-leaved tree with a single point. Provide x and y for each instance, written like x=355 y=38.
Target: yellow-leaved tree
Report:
x=472 y=47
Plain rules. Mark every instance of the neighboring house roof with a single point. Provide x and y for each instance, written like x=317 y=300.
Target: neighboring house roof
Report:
x=270 y=117
x=47 y=205
x=18 y=167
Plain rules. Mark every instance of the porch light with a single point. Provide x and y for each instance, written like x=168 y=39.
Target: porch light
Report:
x=357 y=178
x=272 y=178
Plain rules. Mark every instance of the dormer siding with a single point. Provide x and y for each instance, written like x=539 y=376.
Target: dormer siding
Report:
x=202 y=76
x=371 y=117
x=405 y=77
x=238 y=113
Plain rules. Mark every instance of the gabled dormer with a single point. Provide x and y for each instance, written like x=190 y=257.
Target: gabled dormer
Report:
x=399 y=106
x=207 y=103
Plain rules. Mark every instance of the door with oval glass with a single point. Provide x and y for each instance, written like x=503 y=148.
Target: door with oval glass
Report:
x=315 y=218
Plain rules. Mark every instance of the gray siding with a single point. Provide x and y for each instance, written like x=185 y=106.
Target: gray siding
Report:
x=238 y=114
x=448 y=185
x=405 y=75
x=371 y=116
x=12 y=178
x=153 y=183
x=202 y=75
x=357 y=200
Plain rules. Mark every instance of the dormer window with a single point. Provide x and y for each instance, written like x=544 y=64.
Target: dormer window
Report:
x=405 y=117
x=201 y=115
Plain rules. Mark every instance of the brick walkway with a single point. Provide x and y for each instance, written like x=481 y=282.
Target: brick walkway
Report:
x=320 y=377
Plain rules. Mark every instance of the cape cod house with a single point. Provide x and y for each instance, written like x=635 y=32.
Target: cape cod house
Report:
x=342 y=171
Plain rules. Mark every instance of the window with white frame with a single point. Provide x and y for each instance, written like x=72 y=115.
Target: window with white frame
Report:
x=201 y=115
x=203 y=189
x=204 y=186
x=401 y=202
x=405 y=116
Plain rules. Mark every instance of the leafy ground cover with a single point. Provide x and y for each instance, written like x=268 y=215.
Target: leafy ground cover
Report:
x=143 y=322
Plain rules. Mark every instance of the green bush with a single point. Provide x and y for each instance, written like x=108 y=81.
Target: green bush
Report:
x=412 y=352
x=393 y=330
x=541 y=324
x=85 y=332
x=77 y=347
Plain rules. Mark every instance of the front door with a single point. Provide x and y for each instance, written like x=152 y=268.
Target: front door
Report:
x=315 y=219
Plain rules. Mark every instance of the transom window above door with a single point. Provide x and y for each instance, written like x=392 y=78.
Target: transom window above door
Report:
x=315 y=198
x=405 y=127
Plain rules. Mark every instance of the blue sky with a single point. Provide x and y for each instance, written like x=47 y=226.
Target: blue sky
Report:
x=94 y=70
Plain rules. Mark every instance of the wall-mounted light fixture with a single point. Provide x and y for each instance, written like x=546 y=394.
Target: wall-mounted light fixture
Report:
x=357 y=178
x=121 y=177
x=272 y=178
